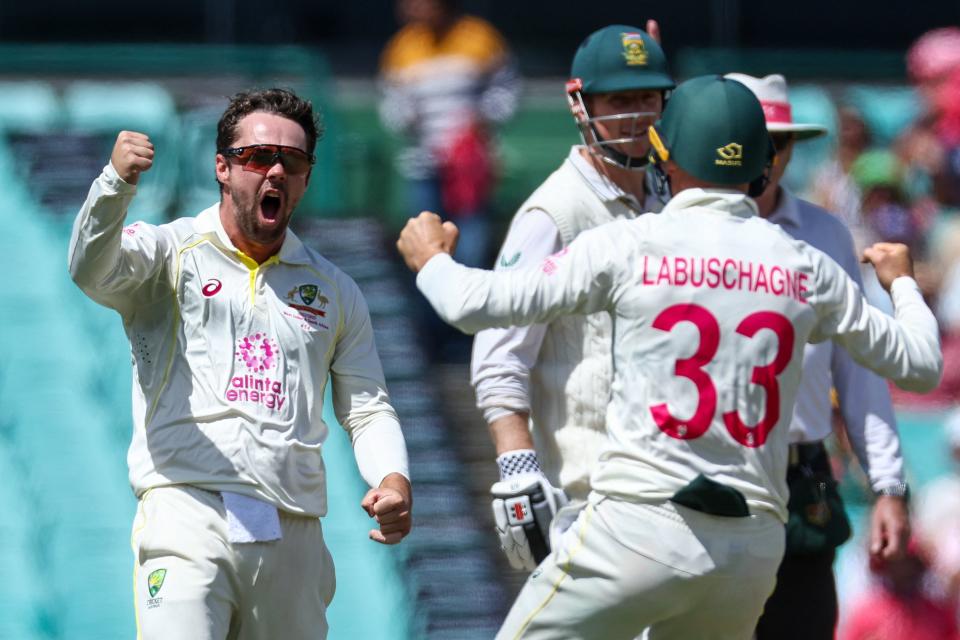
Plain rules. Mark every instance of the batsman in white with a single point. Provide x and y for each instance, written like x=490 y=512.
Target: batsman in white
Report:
x=234 y=327
x=544 y=388
x=683 y=531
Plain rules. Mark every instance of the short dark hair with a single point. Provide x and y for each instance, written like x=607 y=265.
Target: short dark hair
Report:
x=279 y=101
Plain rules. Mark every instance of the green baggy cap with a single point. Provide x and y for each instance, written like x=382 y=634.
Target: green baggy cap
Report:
x=714 y=129
x=620 y=58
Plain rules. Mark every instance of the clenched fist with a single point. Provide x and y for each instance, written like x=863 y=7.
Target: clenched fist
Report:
x=389 y=504
x=132 y=155
x=890 y=260
x=424 y=237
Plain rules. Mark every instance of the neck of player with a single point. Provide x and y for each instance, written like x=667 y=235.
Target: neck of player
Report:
x=631 y=181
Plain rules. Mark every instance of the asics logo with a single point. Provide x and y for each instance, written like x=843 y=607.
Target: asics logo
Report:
x=211 y=288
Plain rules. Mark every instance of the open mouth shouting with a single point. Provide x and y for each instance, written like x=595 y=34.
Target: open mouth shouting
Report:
x=271 y=207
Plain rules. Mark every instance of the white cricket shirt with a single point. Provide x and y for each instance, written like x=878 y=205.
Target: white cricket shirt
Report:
x=231 y=359
x=711 y=307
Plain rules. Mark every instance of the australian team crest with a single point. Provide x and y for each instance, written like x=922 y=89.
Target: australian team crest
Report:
x=155 y=581
x=633 y=50
x=308 y=298
x=308 y=293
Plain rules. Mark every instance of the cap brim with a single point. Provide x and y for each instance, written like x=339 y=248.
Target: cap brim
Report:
x=629 y=81
x=799 y=131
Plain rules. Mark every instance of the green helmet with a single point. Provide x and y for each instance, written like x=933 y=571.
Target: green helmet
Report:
x=616 y=58
x=715 y=130
x=619 y=58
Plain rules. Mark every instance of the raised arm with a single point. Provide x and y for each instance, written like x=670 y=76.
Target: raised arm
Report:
x=579 y=279
x=905 y=349
x=109 y=265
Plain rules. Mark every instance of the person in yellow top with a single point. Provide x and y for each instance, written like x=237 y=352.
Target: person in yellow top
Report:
x=445 y=78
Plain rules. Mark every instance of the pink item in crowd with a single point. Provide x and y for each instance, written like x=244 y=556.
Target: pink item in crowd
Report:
x=934 y=53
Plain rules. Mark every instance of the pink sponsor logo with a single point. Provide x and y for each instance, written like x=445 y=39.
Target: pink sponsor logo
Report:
x=256 y=390
x=258 y=352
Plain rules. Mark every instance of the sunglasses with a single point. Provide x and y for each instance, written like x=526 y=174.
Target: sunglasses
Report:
x=261 y=157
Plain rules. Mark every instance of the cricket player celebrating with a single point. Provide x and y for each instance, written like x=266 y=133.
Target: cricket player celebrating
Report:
x=711 y=306
x=234 y=328
x=544 y=388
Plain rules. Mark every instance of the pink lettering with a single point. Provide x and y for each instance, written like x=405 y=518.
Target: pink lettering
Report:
x=646 y=271
x=727 y=265
x=693 y=272
x=746 y=274
x=713 y=268
x=761 y=281
x=664 y=271
x=776 y=281
x=680 y=271
x=802 y=287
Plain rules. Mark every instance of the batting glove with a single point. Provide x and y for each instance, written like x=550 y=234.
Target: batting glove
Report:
x=524 y=504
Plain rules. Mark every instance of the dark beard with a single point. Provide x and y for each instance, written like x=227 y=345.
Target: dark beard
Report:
x=246 y=216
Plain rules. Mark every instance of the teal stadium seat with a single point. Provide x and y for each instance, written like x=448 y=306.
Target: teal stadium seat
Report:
x=810 y=104
x=62 y=472
x=29 y=107
x=886 y=110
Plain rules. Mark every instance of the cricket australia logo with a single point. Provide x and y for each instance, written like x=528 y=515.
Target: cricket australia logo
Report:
x=730 y=155
x=154 y=584
x=258 y=352
x=633 y=50
x=303 y=296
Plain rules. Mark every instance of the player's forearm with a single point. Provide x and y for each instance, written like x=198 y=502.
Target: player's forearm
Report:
x=380 y=450
x=511 y=432
x=94 y=249
x=871 y=425
x=905 y=350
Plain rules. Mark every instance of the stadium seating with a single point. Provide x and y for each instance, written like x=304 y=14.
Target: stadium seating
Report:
x=29 y=106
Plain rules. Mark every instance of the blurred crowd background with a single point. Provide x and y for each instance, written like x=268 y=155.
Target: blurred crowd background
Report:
x=885 y=81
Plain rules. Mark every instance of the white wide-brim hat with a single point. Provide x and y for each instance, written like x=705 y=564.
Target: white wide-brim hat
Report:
x=771 y=91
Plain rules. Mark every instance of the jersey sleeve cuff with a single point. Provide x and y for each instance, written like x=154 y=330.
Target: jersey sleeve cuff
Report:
x=114 y=184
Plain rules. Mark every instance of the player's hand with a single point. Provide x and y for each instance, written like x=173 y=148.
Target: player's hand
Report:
x=424 y=237
x=132 y=155
x=389 y=504
x=654 y=30
x=890 y=260
x=889 y=528
x=523 y=507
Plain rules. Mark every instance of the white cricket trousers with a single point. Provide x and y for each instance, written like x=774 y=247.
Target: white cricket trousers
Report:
x=191 y=583
x=623 y=567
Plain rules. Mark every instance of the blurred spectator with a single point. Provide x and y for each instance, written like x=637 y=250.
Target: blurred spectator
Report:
x=879 y=177
x=446 y=77
x=932 y=144
x=938 y=515
x=900 y=606
x=832 y=187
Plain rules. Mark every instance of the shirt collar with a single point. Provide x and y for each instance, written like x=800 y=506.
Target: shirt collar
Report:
x=730 y=201
x=291 y=251
x=787 y=211
x=605 y=188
